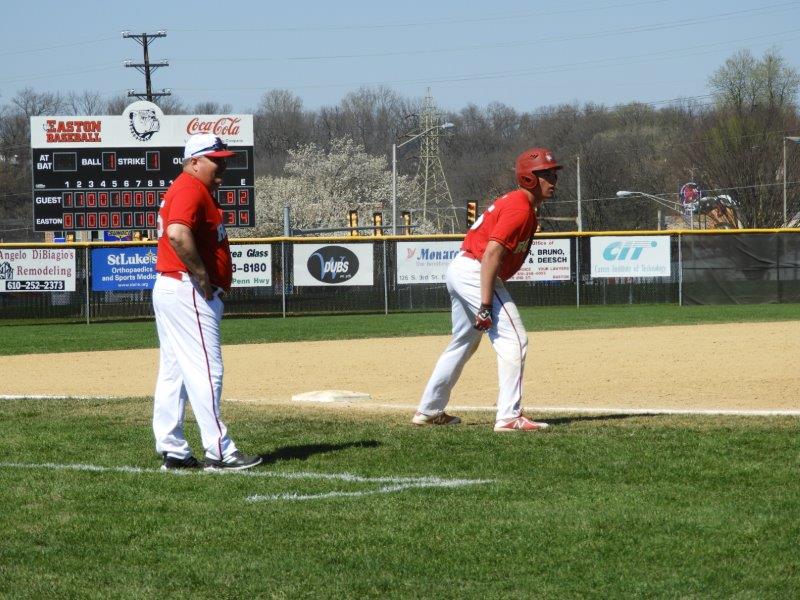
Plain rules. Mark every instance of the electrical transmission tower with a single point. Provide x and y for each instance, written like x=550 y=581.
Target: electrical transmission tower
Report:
x=146 y=67
x=430 y=181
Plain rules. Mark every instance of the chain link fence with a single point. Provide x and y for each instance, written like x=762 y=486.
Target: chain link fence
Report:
x=705 y=267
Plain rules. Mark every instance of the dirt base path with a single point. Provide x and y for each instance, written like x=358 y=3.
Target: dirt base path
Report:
x=740 y=366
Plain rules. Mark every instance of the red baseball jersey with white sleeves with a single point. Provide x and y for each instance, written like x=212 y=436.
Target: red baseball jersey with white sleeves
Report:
x=510 y=221
x=189 y=202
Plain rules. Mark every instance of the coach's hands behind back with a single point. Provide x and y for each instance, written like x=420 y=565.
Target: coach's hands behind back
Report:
x=483 y=320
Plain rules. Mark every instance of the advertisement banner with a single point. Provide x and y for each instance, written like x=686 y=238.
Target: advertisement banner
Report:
x=123 y=269
x=37 y=270
x=252 y=265
x=333 y=264
x=424 y=262
x=548 y=260
x=637 y=256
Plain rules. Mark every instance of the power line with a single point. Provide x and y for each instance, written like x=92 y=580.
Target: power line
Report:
x=614 y=32
x=56 y=47
x=61 y=73
x=591 y=64
x=660 y=194
x=618 y=61
x=427 y=23
x=431 y=22
x=682 y=23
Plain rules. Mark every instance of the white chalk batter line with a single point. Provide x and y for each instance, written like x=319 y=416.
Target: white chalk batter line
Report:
x=398 y=483
x=387 y=489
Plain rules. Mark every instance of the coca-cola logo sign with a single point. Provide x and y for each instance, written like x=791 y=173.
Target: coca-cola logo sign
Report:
x=332 y=264
x=228 y=126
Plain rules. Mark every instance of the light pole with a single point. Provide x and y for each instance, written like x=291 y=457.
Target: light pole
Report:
x=394 y=168
x=676 y=206
x=796 y=140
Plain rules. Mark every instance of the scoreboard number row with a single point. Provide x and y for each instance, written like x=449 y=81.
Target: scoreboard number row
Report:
x=114 y=183
x=149 y=197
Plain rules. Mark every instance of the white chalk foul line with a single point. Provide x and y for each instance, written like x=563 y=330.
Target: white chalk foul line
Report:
x=589 y=410
x=390 y=484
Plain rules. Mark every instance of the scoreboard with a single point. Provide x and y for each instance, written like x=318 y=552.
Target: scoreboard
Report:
x=100 y=173
x=121 y=188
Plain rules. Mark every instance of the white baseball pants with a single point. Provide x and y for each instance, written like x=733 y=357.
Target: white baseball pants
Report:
x=190 y=367
x=507 y=335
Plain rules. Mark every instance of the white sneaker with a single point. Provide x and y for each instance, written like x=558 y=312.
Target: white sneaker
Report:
x=441 y=418
x=519 y=424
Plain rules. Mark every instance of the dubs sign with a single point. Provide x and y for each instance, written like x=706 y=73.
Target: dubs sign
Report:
x=639 y=256
x=346 y=264
x=123 y=269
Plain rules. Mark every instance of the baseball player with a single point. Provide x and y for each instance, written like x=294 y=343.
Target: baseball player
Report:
x=494 y=249
x=194 y=268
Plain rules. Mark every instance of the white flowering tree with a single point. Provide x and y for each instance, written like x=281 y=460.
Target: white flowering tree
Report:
x=321 y=187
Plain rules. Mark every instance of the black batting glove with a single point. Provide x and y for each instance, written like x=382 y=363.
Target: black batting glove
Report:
x=483 y=320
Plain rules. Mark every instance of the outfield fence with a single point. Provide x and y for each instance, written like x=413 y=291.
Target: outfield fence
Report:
x=293 y=276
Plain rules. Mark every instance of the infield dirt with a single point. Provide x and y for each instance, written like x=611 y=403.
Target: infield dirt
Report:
x=737 y=366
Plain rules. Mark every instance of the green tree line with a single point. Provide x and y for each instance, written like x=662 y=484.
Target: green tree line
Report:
x=729 y=140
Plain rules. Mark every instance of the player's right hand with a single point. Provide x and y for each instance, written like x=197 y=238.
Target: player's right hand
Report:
x=204 y=283
x=483 y=320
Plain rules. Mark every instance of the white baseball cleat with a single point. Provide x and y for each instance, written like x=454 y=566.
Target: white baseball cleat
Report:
x=441 y=418
x=519 y=424
x=233 y=462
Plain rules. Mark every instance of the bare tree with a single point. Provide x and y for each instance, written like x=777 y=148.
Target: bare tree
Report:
x=280 y=124
x=211 y=108
x=738 y=143
x=85 y=103
x=116 y=105
x=374 y=117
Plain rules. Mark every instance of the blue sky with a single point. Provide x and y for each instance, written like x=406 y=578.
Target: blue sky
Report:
x=527 y=55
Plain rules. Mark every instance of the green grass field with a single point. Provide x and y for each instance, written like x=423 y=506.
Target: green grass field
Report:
x=70 y=337
x=354 y=504
x=601 y=506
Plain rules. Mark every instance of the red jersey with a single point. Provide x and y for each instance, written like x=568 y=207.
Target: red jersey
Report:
x=189 y=202
x=510 y=221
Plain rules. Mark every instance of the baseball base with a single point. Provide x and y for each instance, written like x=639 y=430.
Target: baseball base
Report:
x=331 y=396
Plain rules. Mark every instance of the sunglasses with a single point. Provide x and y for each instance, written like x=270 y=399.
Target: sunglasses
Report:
x=550 y=174
x=218 y=145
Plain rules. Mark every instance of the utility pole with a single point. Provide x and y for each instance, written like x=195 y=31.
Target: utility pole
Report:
x=146 y=67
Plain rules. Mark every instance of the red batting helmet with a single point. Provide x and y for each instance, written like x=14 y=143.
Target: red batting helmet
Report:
x=532 y=160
